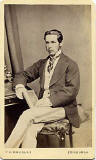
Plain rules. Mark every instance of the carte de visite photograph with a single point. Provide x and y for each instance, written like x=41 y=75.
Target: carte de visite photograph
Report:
x=47 y=76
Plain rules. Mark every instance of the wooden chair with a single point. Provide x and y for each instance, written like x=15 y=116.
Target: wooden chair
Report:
x=53 y=135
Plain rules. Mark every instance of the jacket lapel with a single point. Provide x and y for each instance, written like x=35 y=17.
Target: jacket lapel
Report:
x=59 y=69
x=42 y=73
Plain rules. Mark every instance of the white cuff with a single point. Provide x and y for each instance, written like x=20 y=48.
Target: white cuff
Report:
x=19 y=86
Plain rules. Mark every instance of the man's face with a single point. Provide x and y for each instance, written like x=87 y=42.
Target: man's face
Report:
x=52 y=44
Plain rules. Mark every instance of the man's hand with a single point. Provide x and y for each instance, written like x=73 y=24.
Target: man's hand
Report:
x=20 y=90
x=44 y=102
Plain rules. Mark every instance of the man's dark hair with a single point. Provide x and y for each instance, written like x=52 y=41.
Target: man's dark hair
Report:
x=54 y=32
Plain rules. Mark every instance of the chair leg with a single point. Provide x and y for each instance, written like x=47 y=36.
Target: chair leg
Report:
x=70 y=136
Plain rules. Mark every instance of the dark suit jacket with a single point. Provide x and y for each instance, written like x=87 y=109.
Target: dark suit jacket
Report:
x=64 y=84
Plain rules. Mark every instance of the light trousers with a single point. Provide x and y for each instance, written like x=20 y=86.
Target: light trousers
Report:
x=30 y=123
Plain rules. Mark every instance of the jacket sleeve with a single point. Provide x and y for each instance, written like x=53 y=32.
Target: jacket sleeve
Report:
x=68 y=90
x=27 y=76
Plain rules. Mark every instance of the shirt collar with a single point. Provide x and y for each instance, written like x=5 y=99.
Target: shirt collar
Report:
x=57 y=54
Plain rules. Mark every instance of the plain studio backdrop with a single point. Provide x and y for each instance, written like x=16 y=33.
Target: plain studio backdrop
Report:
x=74 y=21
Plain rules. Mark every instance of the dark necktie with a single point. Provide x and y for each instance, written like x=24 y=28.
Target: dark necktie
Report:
x=51 y=62
x=50 y=65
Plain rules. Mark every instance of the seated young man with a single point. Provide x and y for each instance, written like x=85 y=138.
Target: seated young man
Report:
x=59 y=86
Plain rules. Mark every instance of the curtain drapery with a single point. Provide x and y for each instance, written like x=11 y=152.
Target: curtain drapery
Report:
x=6 y=53
x=13 y=55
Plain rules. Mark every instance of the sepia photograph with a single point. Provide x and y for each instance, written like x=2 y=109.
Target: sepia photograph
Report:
x=47 y=76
